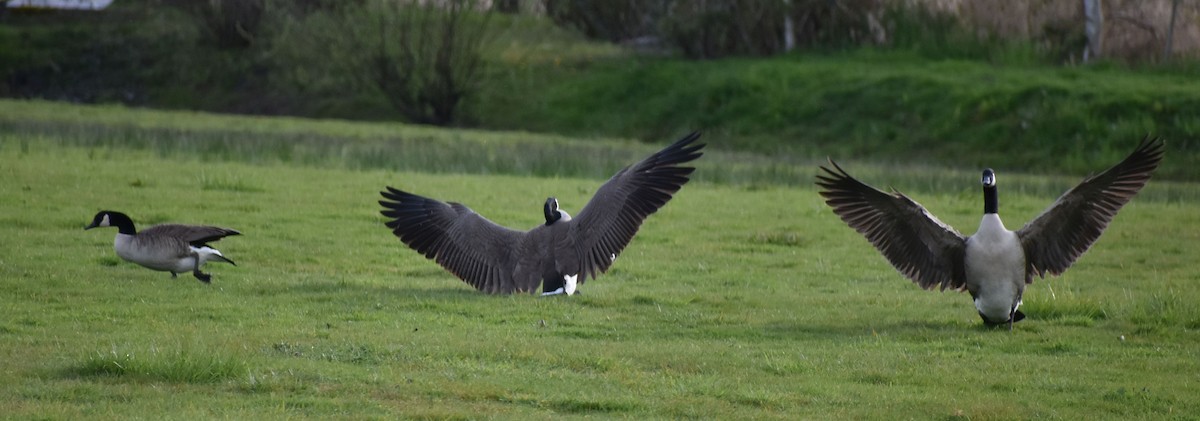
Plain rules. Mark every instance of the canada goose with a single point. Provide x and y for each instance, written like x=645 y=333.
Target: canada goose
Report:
x=563 y=252
x=994 y=264
x=169 y=247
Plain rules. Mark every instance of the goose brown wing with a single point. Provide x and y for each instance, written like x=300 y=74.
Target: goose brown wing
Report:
x=195 y=235
x=611 y=218
x=478 y=251
x=917 y=244
x=1065 y=230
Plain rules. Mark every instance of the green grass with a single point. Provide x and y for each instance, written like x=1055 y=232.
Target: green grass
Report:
x=183 y=365
x=340 y=144
x=737 y=300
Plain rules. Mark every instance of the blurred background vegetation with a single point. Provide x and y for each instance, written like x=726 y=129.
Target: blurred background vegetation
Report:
x=946 y=81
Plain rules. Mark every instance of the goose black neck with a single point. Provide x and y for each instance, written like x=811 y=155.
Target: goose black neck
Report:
x=122 y=222
x=990 y=203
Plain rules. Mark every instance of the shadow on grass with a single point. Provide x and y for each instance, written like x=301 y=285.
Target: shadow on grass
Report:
x=381 y=291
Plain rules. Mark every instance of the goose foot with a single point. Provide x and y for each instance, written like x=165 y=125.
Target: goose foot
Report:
x=203 y=277
x=173 y=275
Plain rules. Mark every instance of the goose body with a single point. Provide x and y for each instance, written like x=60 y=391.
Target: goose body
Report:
x=995 y=263
x=559 y=254
x=171 y=248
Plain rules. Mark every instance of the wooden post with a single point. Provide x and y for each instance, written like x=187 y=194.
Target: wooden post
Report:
x=1170 y=31
x=1094 y=29
x=789 y=31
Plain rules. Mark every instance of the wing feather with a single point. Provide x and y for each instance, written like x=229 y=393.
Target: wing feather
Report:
x=476 y=250
x=615 y=213
x=195 y=235
x=1065 y=230
x=916 y=243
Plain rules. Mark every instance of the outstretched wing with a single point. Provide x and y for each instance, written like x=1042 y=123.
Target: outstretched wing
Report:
x=1066 y=229
x=468 y=245
x=916 y=243
x=195 y=235
x=611 y=218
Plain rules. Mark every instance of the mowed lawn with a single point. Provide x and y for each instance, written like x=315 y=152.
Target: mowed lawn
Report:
x=732 y=302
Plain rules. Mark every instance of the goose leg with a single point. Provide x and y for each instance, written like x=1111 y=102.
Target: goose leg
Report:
x=1014 y=317
x=173 y=275
x=988 y=323
x=203 y=277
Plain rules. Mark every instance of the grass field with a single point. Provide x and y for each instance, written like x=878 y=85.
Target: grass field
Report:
x=742 y=298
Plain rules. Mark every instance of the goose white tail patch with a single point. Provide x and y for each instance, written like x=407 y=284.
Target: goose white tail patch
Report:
x=569 y=283
x=208 y=253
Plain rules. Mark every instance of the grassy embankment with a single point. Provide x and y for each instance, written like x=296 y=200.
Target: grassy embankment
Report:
x=883 y=106
x=741 y=299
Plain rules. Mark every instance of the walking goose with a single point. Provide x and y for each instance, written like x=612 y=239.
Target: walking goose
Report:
x=168 y=247
x=564 y=251
x=994 y=264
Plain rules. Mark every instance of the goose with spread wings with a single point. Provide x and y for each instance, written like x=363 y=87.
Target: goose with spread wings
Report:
x=559 y=254
x=994 y=264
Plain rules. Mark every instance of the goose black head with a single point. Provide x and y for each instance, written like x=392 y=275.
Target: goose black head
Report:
x=112 y=219
x=989 y=178
x=553 y=213
x=551 y=210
